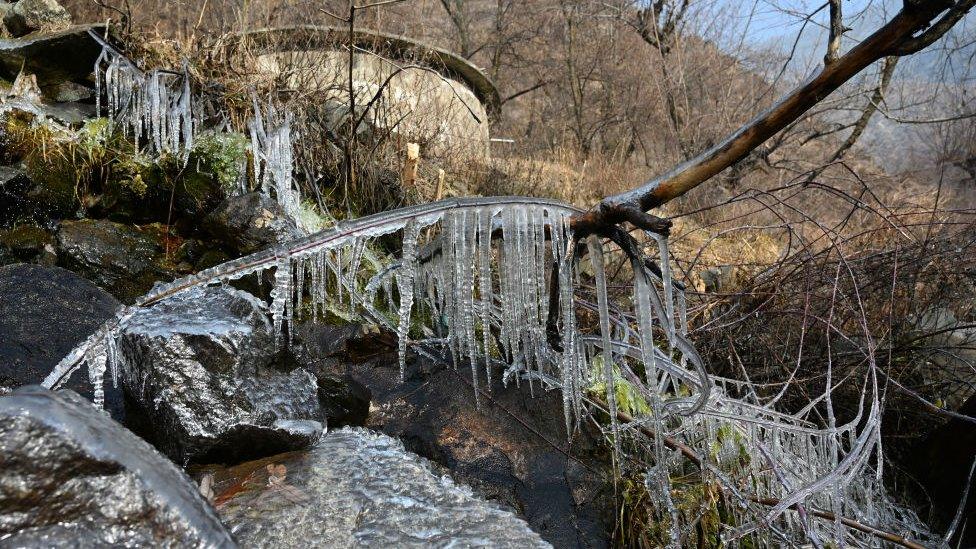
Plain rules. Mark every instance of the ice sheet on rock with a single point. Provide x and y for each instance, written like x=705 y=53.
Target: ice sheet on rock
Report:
x=357 y=488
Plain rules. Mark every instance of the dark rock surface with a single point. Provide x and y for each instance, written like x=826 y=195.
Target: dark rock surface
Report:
x=513 y=450
x=953 y=447
x=358 y=488
x=204 y=371
x=14 y=186
x=72 y=477
x=122 y=259
x=250 y=223
x=27 y=16
x=44 y=313
x=54 y=57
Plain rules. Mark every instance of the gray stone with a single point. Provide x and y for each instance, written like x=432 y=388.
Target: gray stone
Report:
x=357 y=488
x=73 y=477
x=45 y=312
x=205 y=371
x=27 y=16
x=54 y=57
x=250 y=223
x=123 y=259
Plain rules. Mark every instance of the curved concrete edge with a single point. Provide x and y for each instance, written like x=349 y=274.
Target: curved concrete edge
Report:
x=316 y=37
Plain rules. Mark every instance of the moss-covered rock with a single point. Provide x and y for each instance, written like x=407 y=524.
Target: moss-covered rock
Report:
x=28 y=243
x=125 y=260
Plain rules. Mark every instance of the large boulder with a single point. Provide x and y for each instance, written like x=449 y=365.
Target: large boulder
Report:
x=357 y=488
x=27 y=16
x=72 y=477
x=124 y=259
x=45 y=312
x=513 y=450
x=251 y=222
x=206 y=372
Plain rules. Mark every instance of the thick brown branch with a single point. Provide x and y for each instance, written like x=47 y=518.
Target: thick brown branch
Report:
x=888 y=40
x=956 y=13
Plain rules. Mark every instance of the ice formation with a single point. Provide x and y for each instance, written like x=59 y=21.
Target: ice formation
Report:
x=473 y=283
x=159 y=111
x=157 y=106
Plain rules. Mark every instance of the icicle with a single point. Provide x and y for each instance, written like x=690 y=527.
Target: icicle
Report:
x=599 y=274
x=405 y=280
x=281 y=295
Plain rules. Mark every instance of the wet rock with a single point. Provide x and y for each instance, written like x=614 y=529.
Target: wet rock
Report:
x=123 y=259
x=73 y=477
x=205 y=371
x=344 y=400
x=29 y=243
x=44 y=313
x=53 y=57
x=251 y=222
x=357 y=488
x=27 y=16
x=14 y=186
x=513 y=450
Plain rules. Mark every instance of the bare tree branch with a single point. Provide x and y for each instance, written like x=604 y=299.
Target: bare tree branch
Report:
x=887 y=40
x=836 y=32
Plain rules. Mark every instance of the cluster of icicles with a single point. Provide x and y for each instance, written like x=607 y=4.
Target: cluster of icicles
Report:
x=497 y=286
x=158 y=110
x=471 y=285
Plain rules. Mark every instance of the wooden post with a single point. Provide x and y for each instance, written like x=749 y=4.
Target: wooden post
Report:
x=410 y=165
x=440 y=185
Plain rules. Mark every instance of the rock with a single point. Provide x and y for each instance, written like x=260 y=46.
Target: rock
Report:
x=27 y=16
x=45 y=312
x=717 y=279
x=29 y=243
x=14 y=186
x=53 y=57
x=356 y=488
x=251 y=222
x=73 y=477
x=123 y=259
x=344 y=400
x=513 y=450
x=204 y=370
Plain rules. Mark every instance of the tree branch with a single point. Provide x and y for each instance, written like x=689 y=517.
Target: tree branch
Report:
x=836 y=32
x=890 y=39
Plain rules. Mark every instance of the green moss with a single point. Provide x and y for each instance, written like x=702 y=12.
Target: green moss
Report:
x=25 y=241
x=222 y=156
x=629 y=398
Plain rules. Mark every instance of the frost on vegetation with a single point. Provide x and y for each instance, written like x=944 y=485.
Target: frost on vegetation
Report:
x=496 y=286
x=472 y=284
x=159 y=111
x=157 y=106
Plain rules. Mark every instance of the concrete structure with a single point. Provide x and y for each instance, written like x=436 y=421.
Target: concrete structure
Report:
x=416 y=92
